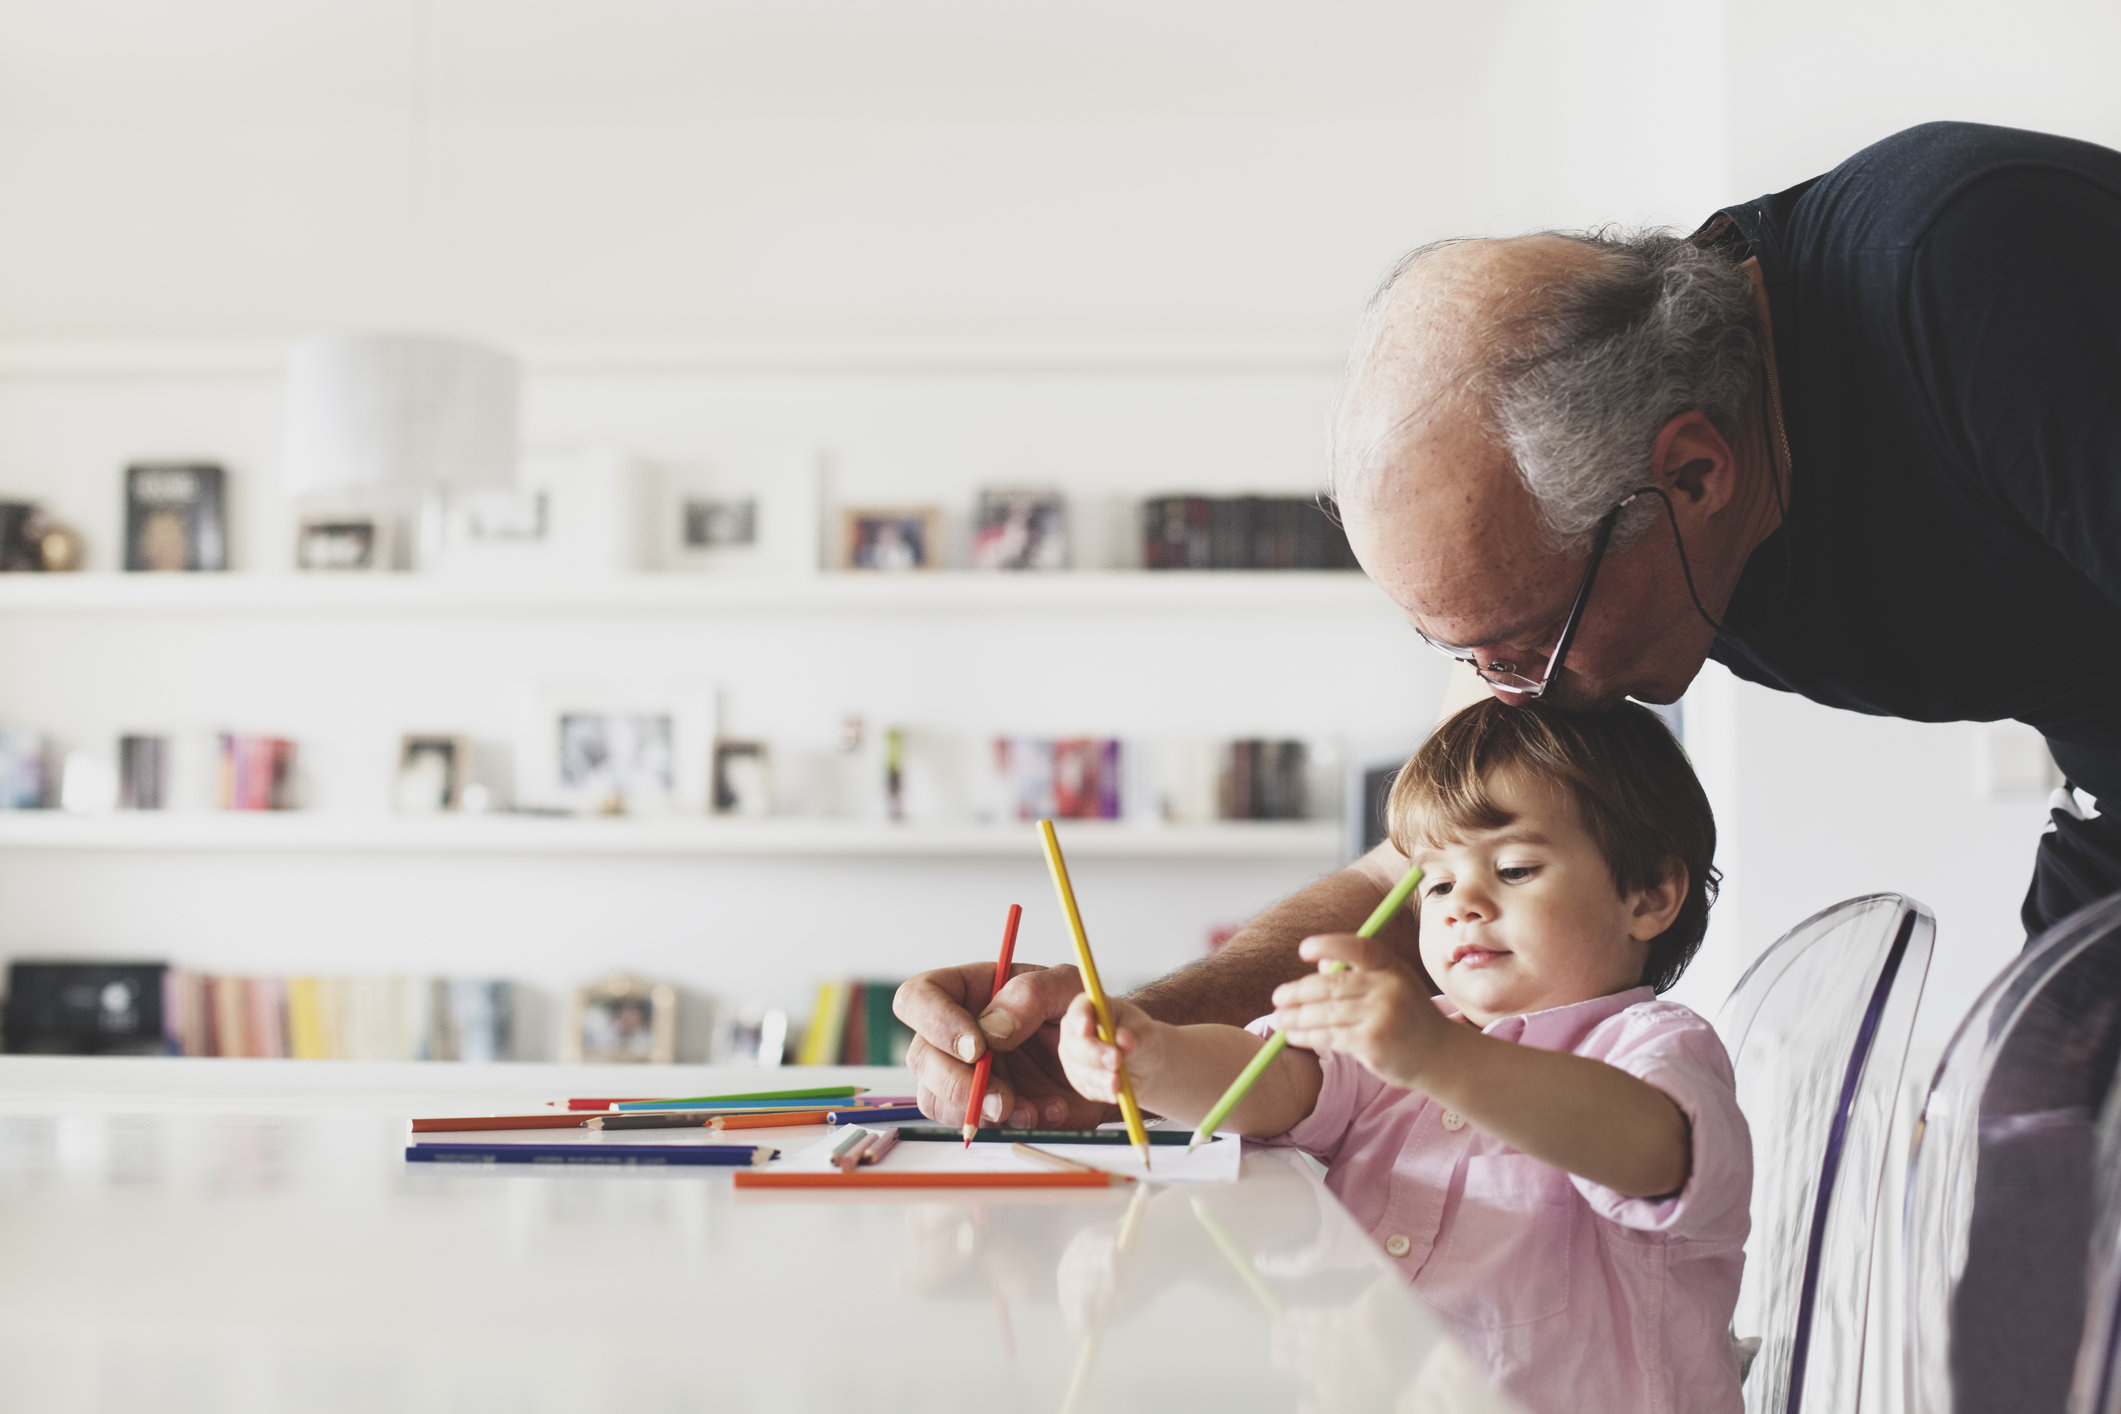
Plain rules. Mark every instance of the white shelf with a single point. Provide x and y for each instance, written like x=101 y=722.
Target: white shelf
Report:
x=676 y=593
x=297 y=833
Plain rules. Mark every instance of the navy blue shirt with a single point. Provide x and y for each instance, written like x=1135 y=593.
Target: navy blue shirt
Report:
x=1947 y=322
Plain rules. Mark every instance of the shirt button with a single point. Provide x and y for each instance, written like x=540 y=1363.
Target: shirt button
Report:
x=1453 y=1121
x=1397 y=1244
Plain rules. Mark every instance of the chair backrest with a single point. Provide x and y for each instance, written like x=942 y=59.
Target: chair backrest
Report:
x=1818 y=1032
x=2003 y=1184
x=2097 y=1387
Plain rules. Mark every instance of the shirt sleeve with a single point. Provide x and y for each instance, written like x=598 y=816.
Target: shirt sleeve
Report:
x=1675 y=1050
x=1342 y=1095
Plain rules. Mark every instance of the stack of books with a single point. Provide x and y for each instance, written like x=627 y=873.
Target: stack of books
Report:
x=338 y=1018
x=257 y=773
x=1263 y=780
x=1243 y=533
x=852 y=1024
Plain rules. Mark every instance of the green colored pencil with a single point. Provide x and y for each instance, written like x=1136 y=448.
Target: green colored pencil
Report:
x=1382 y=915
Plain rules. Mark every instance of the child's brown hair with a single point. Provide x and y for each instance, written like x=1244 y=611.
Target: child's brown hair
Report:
x=1631 y=782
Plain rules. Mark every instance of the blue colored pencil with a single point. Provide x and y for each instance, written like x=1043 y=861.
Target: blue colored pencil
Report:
x=866 y=1116
x=622 y=1155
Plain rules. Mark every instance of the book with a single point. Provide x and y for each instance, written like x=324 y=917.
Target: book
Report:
x=1020 y=530
x=1264 y=780
x=176 y=517
x=1243 y=533
x=256 y=772
x=1072 y=778
x=854 y=1031
x=887 y=1036
x=828 y=1020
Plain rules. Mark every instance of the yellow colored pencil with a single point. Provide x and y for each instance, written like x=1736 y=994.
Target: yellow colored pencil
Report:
x=1128 y=1109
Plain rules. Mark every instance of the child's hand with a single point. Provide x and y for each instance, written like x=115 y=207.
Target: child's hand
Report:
x=1378 y=1012
x=1092 y=1066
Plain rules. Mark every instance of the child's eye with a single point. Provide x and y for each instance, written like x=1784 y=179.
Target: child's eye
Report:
x=1439 y=888
x=1516 y=873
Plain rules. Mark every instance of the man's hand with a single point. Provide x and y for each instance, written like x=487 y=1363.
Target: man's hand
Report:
x=1379 y=1011
x=954 y=1020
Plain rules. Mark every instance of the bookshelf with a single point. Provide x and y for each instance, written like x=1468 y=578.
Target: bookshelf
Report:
x=1213 y=591
x=294 y=832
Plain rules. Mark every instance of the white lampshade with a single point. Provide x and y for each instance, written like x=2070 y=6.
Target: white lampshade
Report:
x=388 y=412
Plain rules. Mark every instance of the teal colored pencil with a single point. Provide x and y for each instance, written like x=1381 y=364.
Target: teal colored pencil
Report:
x=1205 y=1130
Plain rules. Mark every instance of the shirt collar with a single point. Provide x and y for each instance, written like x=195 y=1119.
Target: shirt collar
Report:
x=1560 y=1028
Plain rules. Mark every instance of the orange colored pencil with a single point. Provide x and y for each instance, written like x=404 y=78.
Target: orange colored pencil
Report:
x=769 y=1121
x=985 y=1067
x=894 y=1178
x=560 y=1121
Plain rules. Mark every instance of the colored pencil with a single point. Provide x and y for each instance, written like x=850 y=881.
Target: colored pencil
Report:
x=1246 y=1271
x=846 y=1155
x=450 y=1123
x=866 y=1116
x=777 y=1120
x=1052 y=1161
x=679 y=1119
x=822 y=1092
x=919 y=1133
x=624 y=1155
x=1379 y=916
x=899 y=1178
x=985 y=1067
x=1058 y=867
x=886 y=1140
x=674 y=1119
x=585 y=1103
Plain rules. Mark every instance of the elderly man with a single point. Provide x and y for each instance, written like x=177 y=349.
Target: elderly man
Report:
x=1859 y=440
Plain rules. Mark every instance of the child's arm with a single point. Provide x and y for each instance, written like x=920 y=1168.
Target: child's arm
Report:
x=1582 y=1115
x=1181 y=1071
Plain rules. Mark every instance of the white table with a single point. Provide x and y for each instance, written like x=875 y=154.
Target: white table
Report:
x=237 y=1236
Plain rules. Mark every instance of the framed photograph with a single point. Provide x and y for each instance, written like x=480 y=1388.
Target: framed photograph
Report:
x=176 y=516
x=743 y=778
x=430 y=775
x=607 y=751
x=1020 y=530
x=573 y=513
x=745 y=513
x=623 y=1020
x=891 y=540
x=345 y=544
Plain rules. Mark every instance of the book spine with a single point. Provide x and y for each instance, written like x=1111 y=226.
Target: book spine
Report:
x=854 y=1038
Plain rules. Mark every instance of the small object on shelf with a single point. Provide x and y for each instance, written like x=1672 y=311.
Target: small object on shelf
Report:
x=752 y=1035
x=1264 y=780
x=25 y=770
x=1073 y=778
x=1020 y=530
x=256 y=772
x=743 y=778
x=88 y=784
x=1243 y=533
x=345 y=542
x=752 y=513
x=32 y=542
x=84 y=1008
x=431 y=772
x=623 y=1020
x=611 y=751
x=891 y=539
x=176 y=517
x=895 y=773
x=143 y=772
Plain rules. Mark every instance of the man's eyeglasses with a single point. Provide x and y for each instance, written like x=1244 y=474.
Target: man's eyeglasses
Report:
x=1510 y=674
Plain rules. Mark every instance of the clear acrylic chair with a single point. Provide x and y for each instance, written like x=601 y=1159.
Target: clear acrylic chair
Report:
x=2097 y=1388
x=2012 y=1178
x=1818 y=1033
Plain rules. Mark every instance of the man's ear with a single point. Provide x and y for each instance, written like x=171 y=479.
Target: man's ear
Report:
x=1651 y=910
x=1693 y=463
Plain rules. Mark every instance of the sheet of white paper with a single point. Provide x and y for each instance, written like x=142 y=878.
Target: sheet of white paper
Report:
x=1215 y=1162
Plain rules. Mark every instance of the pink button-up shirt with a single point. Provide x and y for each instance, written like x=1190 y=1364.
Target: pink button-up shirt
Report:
x=1577 y=1298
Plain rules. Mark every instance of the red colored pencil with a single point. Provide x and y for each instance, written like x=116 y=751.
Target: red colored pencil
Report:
x=985 y=1067
x=940 y=1178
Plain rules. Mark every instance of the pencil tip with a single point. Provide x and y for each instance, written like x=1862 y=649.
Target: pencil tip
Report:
x=1146 y=1165
x=968 y=1131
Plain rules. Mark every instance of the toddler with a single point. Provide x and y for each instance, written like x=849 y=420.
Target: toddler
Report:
x=1550 y=1154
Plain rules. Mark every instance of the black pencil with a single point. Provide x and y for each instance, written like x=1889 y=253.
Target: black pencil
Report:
x=652 y=1119
x=936 y=1132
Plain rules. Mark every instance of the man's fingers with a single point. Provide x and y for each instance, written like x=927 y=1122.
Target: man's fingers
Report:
x=1032 y=997
x=939 y=1007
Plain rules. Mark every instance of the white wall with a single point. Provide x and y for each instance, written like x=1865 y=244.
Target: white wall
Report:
x=1102 y=243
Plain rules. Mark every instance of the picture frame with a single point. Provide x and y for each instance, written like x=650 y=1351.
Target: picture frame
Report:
x=891 y=539
x=574 y=512
x=604 y=750
x=430 y=775
x=353 y=542
x=750 y=512
x=622 y=1020
x=1020 y=530
x=743 y=778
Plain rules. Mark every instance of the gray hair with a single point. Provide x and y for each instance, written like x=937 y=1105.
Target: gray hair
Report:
x=1578 y=384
